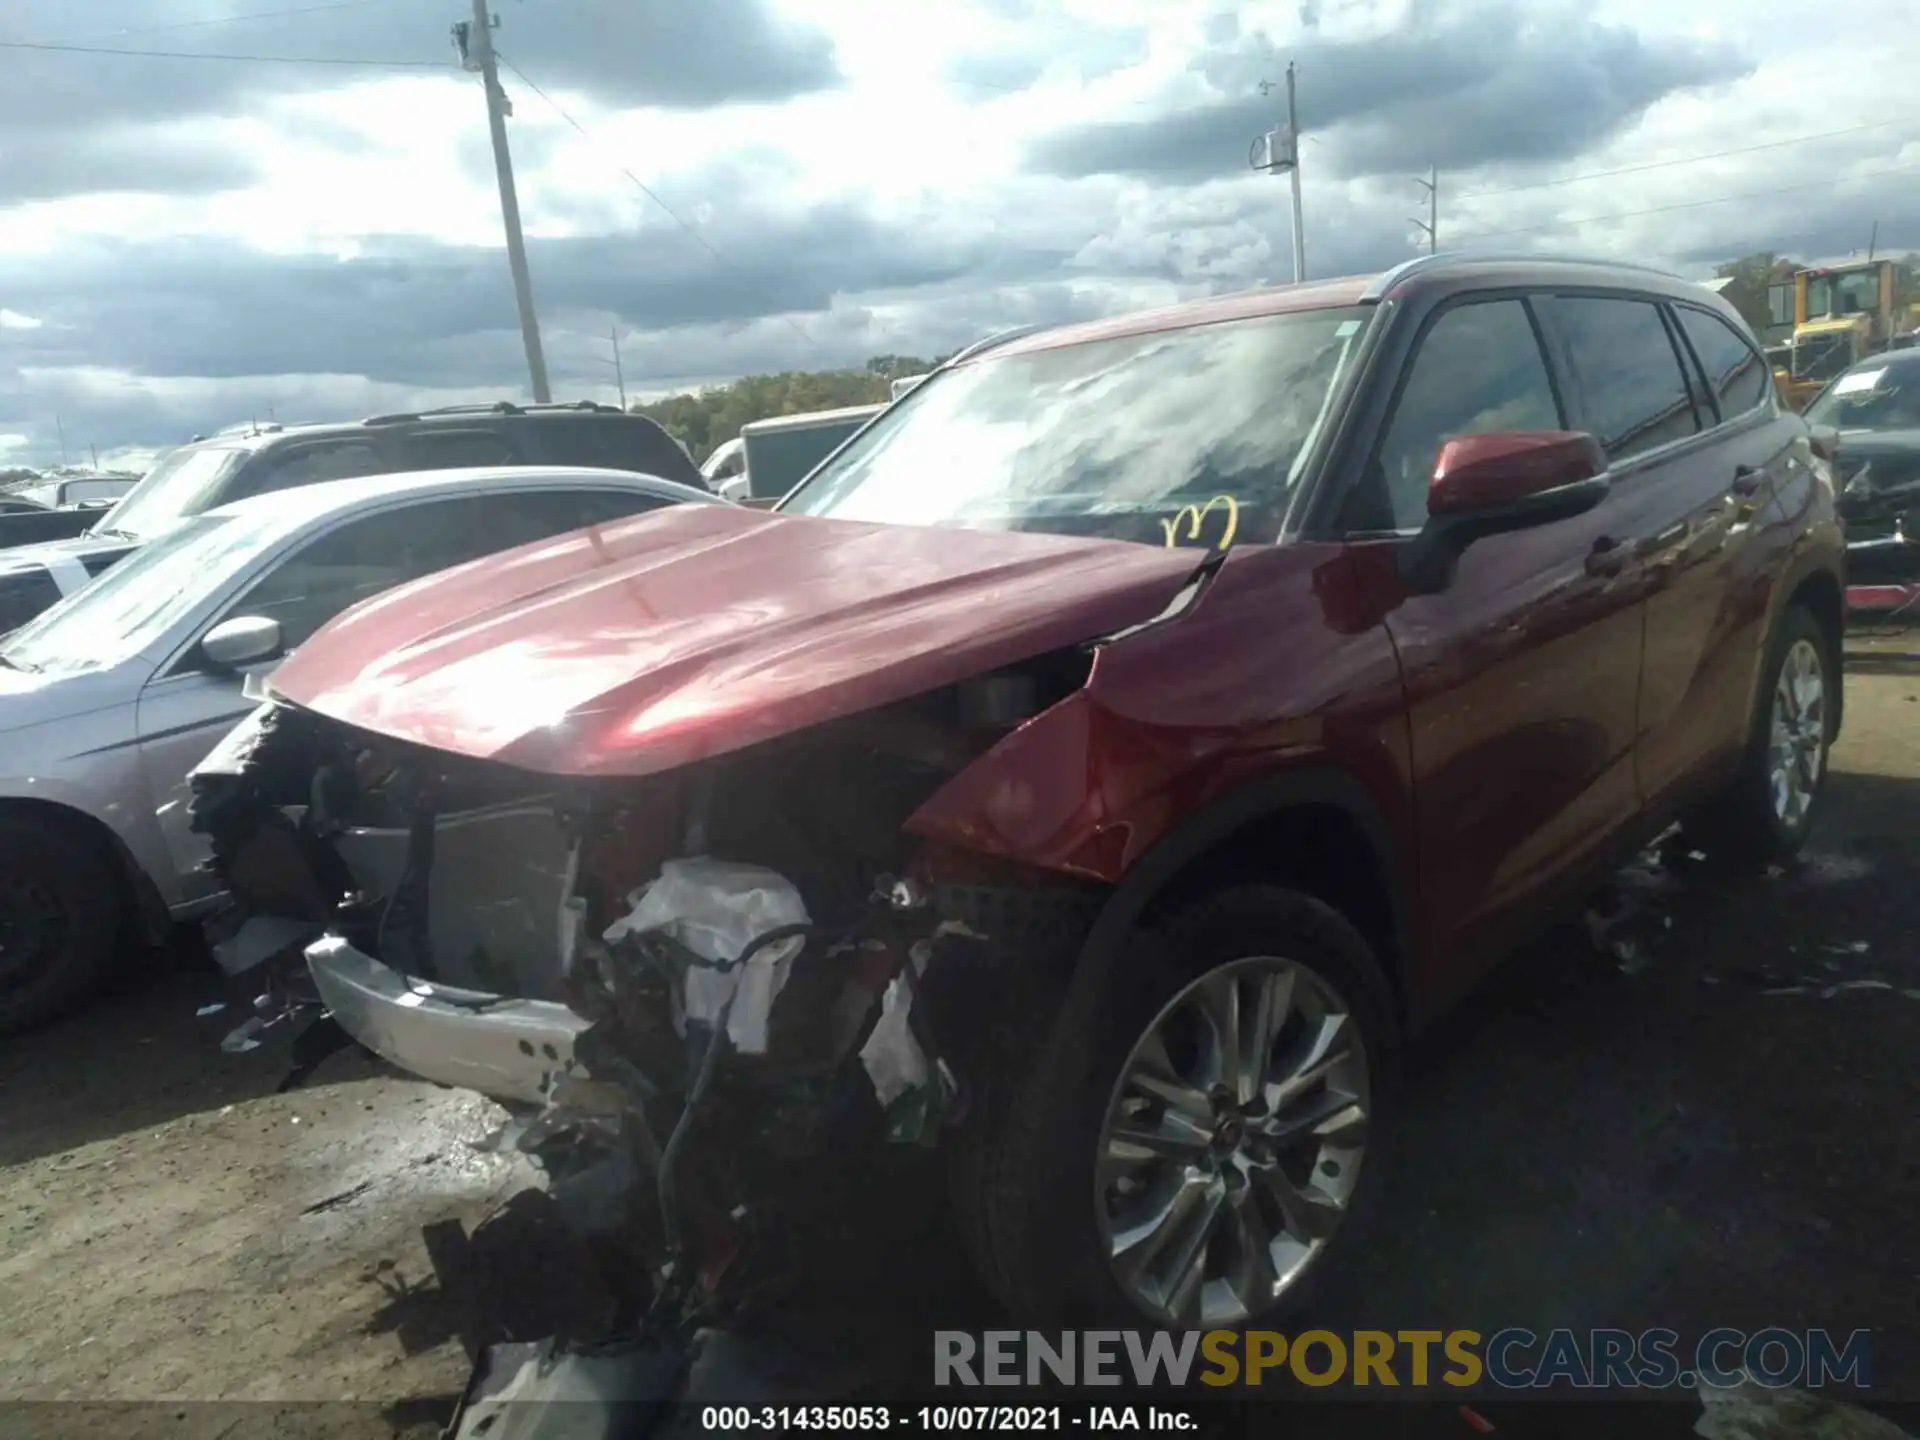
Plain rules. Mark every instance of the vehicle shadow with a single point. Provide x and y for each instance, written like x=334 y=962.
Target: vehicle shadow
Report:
x=138 y=1055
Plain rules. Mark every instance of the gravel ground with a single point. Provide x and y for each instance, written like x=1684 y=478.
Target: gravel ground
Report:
x=1634 y=1138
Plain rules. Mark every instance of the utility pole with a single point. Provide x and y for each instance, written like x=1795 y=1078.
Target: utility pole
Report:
x=94 y=450
x=474 y=40
x=61 y=431
x=619 y=375
x=1430 y=227
x=1873 y=241
x=1279 y=150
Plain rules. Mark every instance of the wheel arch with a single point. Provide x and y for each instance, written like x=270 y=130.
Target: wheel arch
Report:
x=139 y=896
x=1317 y=827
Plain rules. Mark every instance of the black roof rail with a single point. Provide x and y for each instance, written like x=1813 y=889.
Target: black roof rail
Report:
x=496 y=407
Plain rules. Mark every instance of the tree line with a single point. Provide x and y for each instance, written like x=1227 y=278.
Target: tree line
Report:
x=703 y=420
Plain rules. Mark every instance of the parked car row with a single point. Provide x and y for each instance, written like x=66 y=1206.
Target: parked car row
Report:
x=45 y=556
x=1096 y=768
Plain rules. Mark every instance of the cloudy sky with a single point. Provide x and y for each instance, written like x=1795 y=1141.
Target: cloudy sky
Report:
x=186 y=242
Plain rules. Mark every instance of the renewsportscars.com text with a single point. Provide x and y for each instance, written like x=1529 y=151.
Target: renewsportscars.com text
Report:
x=1511 y=1359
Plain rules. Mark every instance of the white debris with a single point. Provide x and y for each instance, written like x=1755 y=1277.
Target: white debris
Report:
x=716 y=909
x=894 y=1061
x=206 y=1010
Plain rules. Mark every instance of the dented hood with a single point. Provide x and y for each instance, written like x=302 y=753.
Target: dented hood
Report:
x=633 y=648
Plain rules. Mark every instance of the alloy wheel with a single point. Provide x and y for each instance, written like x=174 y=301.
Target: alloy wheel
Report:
x=1797 y=736
x=1232 y=1142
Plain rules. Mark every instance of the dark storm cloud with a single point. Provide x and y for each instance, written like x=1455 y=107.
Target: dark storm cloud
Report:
x=675 y=53
x=1457 y=88
x=42 y=166
x=402 y=313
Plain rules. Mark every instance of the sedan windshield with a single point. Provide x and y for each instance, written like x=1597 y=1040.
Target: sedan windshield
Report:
x=137 y=602
x=1154 y=438
x=1873 y=396
x=183 y=482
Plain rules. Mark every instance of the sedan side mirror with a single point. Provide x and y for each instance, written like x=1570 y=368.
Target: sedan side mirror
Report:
x=241 y=641
x=1490 y=484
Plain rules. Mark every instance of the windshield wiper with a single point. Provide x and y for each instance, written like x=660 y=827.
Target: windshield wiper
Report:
x=114 y=534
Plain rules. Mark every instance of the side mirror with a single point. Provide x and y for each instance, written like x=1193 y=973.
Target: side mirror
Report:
x=241 y=641
x=734 y=489
x=1824 y=441
x=1490 y=484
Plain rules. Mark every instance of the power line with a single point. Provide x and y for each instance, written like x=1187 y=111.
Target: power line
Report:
x=217 y=20
x=1688 y=159
x=199 y=55
x=641 y=185
x=1684 y=205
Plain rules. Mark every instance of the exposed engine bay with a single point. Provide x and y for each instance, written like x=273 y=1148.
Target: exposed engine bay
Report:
x=704 y=994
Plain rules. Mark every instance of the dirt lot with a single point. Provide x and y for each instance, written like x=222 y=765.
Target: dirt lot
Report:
x=1627 y=1139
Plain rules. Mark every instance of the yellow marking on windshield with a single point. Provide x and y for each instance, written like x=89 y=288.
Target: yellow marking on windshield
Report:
x=1195 y=515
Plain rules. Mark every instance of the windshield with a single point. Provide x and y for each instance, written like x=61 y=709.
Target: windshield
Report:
x=134 y=604
x=1137 y=438
x=183 y=482
x=1855 y=293
x=1821 y=357
x=1872 y=397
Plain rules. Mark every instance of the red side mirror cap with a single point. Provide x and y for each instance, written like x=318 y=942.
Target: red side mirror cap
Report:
x=1478 y=472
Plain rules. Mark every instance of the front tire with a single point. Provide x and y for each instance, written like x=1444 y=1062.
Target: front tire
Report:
x=60 y=909
x=1211 y=1147
x=1766 y=814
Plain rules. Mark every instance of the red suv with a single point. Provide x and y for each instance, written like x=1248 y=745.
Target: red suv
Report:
x=1095 y=768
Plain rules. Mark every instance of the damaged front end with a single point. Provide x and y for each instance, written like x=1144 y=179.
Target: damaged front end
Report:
x=704 y=994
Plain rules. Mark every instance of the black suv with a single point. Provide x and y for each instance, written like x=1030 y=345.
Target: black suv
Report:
x=47 y=555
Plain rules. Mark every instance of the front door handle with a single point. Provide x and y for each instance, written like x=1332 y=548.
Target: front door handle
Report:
x=1747 y=479
x=1607 y=557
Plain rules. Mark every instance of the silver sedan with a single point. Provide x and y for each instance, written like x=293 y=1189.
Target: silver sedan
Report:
x=111 y=697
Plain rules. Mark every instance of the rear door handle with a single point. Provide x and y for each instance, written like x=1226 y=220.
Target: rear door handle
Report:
x=1747 y=479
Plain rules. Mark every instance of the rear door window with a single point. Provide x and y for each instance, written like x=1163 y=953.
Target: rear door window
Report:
x=365 y=556
x=458 y=449
x=1733 y=368
x=1637 y=397
x=289 y=467
x=614 y=442
x=1479 y=369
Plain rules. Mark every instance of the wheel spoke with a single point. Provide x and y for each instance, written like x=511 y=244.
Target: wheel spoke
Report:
x=1331 y=1045
x=1273 y=1003
x=1154 y=1076
x=1328 y=1115
x=1220 y=1003
x=1309 y=1214
x=1255 y=1280
x=1172 y=1136
x=1158 y=1255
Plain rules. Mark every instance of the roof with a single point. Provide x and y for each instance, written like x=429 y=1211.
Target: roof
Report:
x=250 y=434
x=1273 y=300
x=810 y=419
x=286 y=511
x=1720 y=283
x=1444 y=270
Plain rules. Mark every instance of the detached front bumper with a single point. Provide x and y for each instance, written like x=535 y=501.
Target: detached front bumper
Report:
x=504 y=1048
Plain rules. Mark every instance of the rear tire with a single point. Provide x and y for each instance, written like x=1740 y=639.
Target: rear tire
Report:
x=60 y=912
x=1765 y=815
x=1048 y=1225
